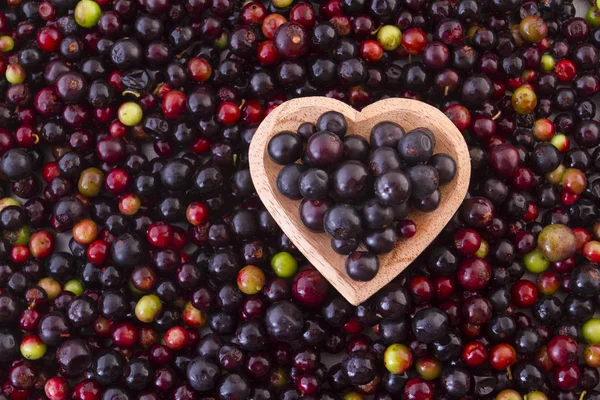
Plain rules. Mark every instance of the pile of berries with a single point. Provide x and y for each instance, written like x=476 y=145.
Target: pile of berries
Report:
x=360 y=191
x=137 y=262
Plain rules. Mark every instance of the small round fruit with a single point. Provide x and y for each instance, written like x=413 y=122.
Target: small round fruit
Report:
x=130 y=113
x=389 y=37
x=284 y=264
x=535 y=262
x=87 y=13
x=524 y=100
x=147 y=308
x=33 y=347
x=591 y=331
x=362 y=266
x=557 y=242
x=397 y=358
x=250 y=279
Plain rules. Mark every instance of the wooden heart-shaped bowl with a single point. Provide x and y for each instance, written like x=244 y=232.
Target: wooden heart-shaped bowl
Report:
x=316 y=247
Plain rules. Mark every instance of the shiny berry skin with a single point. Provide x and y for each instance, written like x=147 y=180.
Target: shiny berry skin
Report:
x=524 y=293
x=174 y=104
x=502 y=356
x=414 y=40
x=309 y=287
x=562 y=350
x=176 y=338
x=97 y=252
x=467 y=241
x=48 y=39
x=474 y=354
x=57 y=388
x=160 y=234
x=228 y=113
x=474 y=273
x=565 y=70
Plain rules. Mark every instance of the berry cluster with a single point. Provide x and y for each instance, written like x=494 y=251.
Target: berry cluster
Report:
x=360 y=191
x=137 y=262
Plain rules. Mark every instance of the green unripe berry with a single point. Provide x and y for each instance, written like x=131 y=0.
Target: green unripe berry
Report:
x=221 y=41
x=535 y=261
x=8 y=201
x=33 y=347
x=87 y=13
x=591 y=331
x=147 y=308
x=15 y=74
x=547 y=63
x=389 y=37
x=524 y=100
x=90 y=182
x=397 y=358
x=593 y=17
x=130 y=113
x=284 y=264
x=74 y=286
x=51 y=286
x=20 y=236
x=282 y=3
x=6 y=44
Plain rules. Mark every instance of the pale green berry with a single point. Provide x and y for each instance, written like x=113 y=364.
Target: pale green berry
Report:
x=591 y=331
x=389 y=37
x=147 y=308
x=15 y=74
x=284 y=264
x=6 y=44
x=535 y=261
x=130 y=113
x=87 y=13
x=74 y=286
x=547 y=63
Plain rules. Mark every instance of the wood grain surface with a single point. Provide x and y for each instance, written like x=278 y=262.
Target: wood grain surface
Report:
x=316 y=247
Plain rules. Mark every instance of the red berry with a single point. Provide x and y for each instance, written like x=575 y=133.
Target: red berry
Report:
x=414 y=40
x=176 y=338
x=124 y=334
x=474 y=273
x=160 y=234
x=97 y=252
x=563 y=350
x=474 y=354
x=48 y=39
x=524 y=293
x=228 y=113
x=467 y=241
x=252 y=112
x=199 y=69
x=267 y=53
x=19 y=254
x=422 y=289
x=57 y=388
x=407 y=228
x=444 y=286
x=201 y=145
x=502 y=356
x=565 y=70
x=174 y=104
x=41 y=244
x=371 y=51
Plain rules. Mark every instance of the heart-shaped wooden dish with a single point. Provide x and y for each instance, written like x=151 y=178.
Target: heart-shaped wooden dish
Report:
x=316 y=247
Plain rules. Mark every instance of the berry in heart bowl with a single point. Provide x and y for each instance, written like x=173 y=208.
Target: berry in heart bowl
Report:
x=360 y=194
